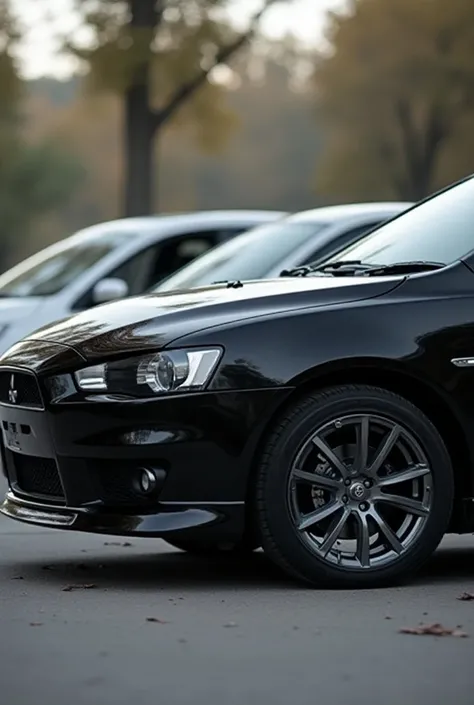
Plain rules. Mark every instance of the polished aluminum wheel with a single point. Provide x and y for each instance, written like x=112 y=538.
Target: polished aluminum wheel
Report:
x=360 y=491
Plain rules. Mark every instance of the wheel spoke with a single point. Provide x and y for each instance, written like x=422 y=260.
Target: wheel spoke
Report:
x=390 y=535
x=410 y=474
x=363 y=540
x=362 y=442
x=318 y=515
x=334 y=531
x=383 y=451
x=330 y=456
x=315 y=479
x=410 y=506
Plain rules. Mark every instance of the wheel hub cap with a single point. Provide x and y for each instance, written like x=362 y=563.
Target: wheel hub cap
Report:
x=358 y=492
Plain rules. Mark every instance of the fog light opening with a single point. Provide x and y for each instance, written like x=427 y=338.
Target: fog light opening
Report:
x=147 y=482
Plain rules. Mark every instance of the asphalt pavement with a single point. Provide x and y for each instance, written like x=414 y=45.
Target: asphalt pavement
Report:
x=92 y=620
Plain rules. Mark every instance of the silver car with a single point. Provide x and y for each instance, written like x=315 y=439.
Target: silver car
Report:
x=294 y=241
x=110 y=261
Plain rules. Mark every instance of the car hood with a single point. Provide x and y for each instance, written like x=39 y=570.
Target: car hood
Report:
x=17 y=307
x=155 y=321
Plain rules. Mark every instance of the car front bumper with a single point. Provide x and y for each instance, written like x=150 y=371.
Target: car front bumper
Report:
x=74 y=466
x=165 y=519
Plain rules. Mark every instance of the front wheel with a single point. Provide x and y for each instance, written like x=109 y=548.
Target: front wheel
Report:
x=354 y=489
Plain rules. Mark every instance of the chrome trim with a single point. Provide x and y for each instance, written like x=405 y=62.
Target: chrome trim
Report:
x=36 y=513
x=463 y=361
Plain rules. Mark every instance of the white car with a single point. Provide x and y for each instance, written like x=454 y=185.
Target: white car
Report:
x=110 y=261
x=297 y=240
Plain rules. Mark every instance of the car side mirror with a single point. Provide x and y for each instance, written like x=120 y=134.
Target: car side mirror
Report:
x=109 y=289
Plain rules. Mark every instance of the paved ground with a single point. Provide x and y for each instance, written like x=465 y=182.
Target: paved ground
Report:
x=229 y=634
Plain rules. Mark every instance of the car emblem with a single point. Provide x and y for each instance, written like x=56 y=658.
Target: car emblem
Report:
x=12 y=392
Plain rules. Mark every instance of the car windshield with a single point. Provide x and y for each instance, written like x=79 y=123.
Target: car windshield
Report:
x=440 y=229
x=52 y=269
x=248 y=256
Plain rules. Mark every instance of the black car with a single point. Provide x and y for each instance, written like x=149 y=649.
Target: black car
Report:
x=326 y=416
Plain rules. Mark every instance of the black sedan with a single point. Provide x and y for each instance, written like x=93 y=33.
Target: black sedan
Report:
x=326 y=417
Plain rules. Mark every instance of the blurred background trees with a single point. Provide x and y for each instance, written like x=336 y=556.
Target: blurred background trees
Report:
x=157 y=56
x=35 y=176
x=396 y=98
x=384 y=109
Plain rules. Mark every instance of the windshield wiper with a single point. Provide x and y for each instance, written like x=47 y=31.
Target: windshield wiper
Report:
x=330 y=267
x=348 y=268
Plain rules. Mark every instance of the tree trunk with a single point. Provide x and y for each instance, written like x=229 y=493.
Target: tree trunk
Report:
x=139 y=125
x=139 y=161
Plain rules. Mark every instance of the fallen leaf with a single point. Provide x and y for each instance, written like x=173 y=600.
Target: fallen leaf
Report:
x=156 y=620
x=117 y=543
x=183 y=641
x=18 y=577
x=69 y=588
x=230 y=624
x=433 y=630
x=466 y=596
x=36 y=624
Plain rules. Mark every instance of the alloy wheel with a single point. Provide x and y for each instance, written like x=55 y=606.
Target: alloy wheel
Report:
x=360 y=491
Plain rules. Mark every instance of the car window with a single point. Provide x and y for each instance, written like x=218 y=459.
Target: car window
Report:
x=56 y=267
x=248 y=256
x=149 y=266
x=440 y=229
x=319 y=254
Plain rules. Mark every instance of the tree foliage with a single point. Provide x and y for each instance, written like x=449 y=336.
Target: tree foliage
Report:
x=267 y=164
x=395 y=94
x=159 y=56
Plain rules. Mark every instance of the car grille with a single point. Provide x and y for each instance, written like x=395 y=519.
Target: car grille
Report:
x=20 y=389
x=37 y=476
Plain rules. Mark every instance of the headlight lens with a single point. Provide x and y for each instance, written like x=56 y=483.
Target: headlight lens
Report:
x=162 y=373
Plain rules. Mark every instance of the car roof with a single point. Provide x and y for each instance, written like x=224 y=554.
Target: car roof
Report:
x=170 y=222
x=334 y=214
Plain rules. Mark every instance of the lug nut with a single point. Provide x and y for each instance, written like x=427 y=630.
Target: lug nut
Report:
x=344 y=499
x=363 y=506
x=347 y=482
x=367 y=483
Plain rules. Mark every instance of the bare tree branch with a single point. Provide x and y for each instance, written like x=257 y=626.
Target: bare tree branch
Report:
x=185 y=91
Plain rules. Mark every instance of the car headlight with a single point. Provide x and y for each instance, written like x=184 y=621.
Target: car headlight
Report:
x=162 y=373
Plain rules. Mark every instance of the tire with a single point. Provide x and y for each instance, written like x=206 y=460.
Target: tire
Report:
x=205 y=548
x=393 y=551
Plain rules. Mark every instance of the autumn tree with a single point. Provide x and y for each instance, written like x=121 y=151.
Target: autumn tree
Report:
x=395 y=91
x=158 y=55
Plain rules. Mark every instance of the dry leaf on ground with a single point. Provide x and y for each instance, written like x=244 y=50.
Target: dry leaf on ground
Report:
x=433 y=630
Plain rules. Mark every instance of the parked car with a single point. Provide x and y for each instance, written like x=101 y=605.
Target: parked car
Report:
x=307 y=237
x=326 y=417
x=110 y=261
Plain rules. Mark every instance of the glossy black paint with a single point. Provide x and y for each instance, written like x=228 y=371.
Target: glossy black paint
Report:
x=280 y=338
